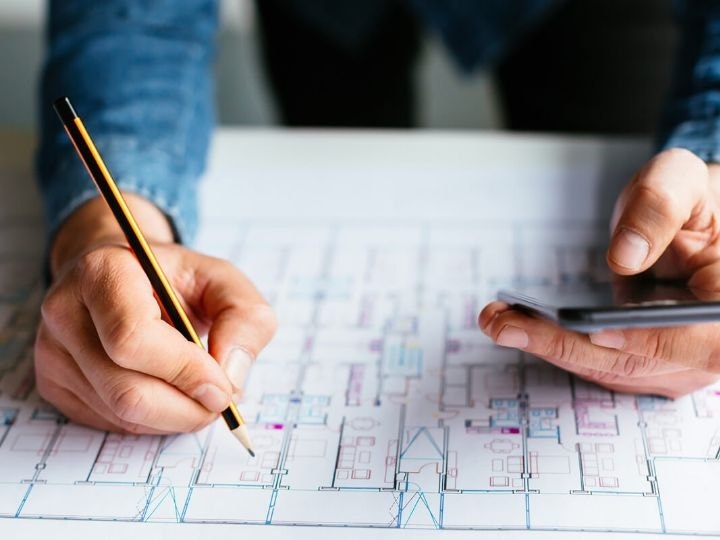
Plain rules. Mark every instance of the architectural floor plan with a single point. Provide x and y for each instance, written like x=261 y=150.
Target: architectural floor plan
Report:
x=379 y=404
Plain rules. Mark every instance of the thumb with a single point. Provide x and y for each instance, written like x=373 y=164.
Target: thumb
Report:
x=665 y=195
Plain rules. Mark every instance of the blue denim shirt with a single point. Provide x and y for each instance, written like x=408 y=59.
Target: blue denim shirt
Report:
x=140 y=75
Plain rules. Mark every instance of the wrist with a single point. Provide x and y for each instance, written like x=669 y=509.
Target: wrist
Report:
x=93 y=224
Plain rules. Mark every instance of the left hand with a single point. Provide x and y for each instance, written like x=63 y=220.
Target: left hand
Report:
x=666 y=222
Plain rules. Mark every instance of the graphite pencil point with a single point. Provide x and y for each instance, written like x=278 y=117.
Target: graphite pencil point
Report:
x=242 y=435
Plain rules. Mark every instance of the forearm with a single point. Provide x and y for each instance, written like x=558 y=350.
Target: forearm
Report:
x=139 y=73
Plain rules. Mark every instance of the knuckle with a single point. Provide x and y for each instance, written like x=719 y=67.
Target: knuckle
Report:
x=54 y=305
x=657 y=196
x=186 y=279
x=129 y=403
x=632 y=365
x=184 y=374
x=561 y=348
x=89 y=264
x=655 y=346
x=100 y=278
x=123 y=341
x=642 y=366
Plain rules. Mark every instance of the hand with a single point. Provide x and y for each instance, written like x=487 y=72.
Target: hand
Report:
x=103 y=354
x=667 y=223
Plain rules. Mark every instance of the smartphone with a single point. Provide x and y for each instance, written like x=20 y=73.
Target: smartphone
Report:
x=625 y=303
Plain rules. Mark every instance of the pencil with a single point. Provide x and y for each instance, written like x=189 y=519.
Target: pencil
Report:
x=167 y=298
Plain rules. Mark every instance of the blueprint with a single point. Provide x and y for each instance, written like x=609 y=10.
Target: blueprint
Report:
x=379 y=404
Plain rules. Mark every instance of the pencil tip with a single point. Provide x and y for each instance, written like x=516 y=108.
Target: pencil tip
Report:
x=242 y=435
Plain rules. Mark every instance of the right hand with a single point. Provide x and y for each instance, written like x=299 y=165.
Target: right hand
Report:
x=103 y=354
x=666 y=224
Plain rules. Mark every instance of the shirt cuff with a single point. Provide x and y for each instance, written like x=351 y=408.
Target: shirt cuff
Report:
x=701 y=137
x=147 y=172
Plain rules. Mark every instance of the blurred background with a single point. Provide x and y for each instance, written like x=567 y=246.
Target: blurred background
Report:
x=620 y=61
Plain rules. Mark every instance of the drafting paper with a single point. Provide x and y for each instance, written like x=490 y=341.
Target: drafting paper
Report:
x=379 y=404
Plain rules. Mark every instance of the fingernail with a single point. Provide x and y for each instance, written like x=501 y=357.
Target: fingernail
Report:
x=512 y=336
x=612 y=339
x=630 y=250
x=237 y=367
x=212 y=398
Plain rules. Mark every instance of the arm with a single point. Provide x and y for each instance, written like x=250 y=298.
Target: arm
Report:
x=692 y=117
x=140 y=75
x=667 y=223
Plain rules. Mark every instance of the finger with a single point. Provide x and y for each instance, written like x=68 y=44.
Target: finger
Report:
x=60 y=381
x=137 y=398
x=668 y=193
x=134 y=397
x=72 y=407
x=705 y=282
x=490 y=312
x=682 y=383
x=694 y=346
x=568 y=349
x=241 y=321
x=633 y=378
x=128 y=323
x=77 y=409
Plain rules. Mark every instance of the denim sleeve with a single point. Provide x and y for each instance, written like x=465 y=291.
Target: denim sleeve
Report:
x=139 y=74
x=692 y=118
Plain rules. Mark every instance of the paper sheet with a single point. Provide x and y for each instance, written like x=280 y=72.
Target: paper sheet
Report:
x=379 y=404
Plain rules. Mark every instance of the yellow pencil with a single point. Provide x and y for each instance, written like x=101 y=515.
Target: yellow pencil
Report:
x=166 y=295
